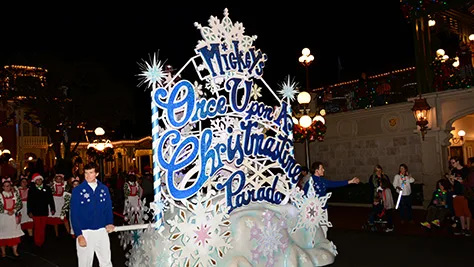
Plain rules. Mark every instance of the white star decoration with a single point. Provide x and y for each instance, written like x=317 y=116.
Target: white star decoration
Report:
x=288 y=89
x=152 y=72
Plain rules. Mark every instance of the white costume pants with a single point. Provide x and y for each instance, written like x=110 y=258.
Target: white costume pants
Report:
x=98 y=242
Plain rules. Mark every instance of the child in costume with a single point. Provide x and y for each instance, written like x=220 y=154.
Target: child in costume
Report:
x=10 y=229
x=58 y=187
x=26 y=221
x=133 y=193
x=65 y=210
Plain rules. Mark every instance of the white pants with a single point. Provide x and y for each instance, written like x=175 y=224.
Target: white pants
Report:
x=98 y=242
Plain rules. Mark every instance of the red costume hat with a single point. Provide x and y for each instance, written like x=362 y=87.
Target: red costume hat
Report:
x=35 y=177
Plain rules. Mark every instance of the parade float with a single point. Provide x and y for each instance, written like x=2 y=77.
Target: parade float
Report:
x=224 y=169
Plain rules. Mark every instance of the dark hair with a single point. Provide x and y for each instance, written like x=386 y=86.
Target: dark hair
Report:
x=304 y=169
x=90 y=166
x=471 y=160
x=455 y=158
x=445 y=183
x=316 y=165
x=404 y=166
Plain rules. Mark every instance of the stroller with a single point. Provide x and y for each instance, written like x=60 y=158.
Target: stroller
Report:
x=379 y=217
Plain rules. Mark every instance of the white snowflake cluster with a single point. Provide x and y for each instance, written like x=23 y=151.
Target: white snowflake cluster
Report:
x=312 y=212
x=269 y=238
x=136 y=214
x=224 y=31
x=200 y=233
x=143 y=253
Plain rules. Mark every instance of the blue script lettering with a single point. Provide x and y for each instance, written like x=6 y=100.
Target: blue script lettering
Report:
x=193 y=112
x=233 y=85
x=247 y=63
x=185 y=153
x=244 y=197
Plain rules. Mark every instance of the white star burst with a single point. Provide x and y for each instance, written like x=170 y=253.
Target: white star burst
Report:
x=152 y=72
x=288 y=89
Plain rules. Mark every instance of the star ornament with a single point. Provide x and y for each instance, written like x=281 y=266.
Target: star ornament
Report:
x=202 y=234
x=288 y=89
x=152 y=72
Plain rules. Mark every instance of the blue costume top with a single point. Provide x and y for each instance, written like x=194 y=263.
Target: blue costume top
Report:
x=90 y=209
x=320 y=185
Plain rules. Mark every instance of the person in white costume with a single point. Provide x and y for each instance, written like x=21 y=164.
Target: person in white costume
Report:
x=26 y=221
x=10 y=206
x=133 y=194
x=58 y=187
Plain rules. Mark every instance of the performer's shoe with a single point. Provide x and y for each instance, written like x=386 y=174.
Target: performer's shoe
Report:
x=388 y=230
x=436 y=223
x=426 y=224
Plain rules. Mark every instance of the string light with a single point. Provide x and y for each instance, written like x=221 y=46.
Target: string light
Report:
x=409 y=69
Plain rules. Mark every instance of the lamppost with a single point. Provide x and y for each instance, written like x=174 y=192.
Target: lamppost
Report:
x=420 y=111
x=101 y=148
x=308 y=126
x=306 y=59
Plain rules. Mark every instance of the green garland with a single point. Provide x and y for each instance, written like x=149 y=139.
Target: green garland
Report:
x=316 y=131
x=107 y=153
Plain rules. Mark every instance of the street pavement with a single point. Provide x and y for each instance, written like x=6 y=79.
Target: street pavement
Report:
x=408 y=245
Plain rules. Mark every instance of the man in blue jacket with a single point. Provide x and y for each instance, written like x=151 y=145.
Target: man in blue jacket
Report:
x=320 y=184
x=92 y=219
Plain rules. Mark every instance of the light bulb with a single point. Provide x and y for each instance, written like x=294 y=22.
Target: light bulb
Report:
x=99 y=131
x=304 y=98
x=305 y=121
x=305 y=52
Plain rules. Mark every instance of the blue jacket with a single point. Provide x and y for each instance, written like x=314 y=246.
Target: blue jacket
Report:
x=320 y=185
x=90 y=209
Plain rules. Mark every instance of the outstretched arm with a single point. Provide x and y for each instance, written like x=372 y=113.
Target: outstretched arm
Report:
x=333 y=184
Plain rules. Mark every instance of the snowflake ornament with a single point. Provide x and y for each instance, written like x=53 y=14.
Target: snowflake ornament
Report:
x=152 y=72
x=199 y=93
x=312 y=214
x=137 y=214
x=256 y=91
x=198 y=232
x=269 y=238
x=288 y=89
x=224 y=31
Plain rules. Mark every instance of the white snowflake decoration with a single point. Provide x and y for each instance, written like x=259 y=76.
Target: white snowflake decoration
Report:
x=152 y=72
x=201 y=232
x=288 y=89
x=256 y=92
x=198 y=90
x=269 y=238
x=312 y=212
x=137 y=214
x=143 y=254
x=224 y=32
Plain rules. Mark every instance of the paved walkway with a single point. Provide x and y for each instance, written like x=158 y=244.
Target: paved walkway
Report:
x=408 y=245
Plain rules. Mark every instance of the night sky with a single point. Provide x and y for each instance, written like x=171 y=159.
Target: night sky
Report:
x=102 y=44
